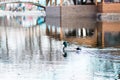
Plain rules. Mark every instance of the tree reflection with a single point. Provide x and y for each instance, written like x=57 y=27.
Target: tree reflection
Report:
x=7 y=48
x=40 y=45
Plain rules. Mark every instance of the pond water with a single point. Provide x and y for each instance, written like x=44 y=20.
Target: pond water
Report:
x=31 y=48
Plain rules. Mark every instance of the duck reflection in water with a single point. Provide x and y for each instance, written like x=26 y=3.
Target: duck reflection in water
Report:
x=65 y=54
x=77 y=50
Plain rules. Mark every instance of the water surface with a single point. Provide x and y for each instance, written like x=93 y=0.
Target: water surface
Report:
x=31 y=48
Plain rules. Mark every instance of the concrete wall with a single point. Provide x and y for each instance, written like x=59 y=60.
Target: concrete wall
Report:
x=89 y=23
x=79 y=11
x=72 y=11
x=53 y=11
x=109 y=8
x=78 y=22
x=53 y=21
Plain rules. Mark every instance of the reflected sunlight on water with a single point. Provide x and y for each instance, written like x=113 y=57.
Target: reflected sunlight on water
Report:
x=31 y=49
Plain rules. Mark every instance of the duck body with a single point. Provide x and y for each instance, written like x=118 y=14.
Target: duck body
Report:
x=67 y=49
x=70 y=48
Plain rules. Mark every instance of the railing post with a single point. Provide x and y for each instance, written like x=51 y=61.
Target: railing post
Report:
x=50 y=2
x=96 y=2
x=61 y=2
x=55 y=2
x=47 y=1
x=102 y=1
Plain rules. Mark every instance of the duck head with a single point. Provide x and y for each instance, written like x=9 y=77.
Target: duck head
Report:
x=65 y=44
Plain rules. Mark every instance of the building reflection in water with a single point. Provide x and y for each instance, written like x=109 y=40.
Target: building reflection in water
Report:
x=37 y=49
x=109 y=34
x=80 y=31
x=88 y=32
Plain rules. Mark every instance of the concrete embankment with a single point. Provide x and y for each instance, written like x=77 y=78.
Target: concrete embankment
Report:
x=73 y=11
